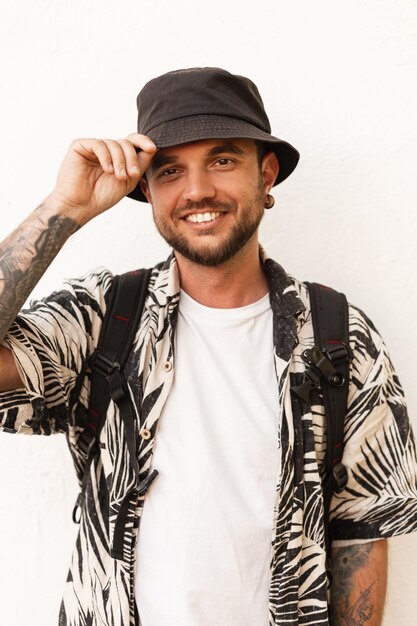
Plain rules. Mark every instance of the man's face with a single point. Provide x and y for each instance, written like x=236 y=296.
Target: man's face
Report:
x=207 y=197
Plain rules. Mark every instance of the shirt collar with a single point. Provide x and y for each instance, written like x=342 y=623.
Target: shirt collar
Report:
x=283 y=293
x=165 y=282
x=284 y=296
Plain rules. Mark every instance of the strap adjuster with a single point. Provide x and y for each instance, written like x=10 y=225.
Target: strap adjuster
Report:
x=103 y=365
x=340 y=476
x=338 y=353
x=111 y=372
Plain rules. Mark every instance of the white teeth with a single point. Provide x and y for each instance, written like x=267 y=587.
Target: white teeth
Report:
x=202 y=217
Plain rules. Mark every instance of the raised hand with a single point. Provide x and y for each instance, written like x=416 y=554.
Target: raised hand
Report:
x=96 y=173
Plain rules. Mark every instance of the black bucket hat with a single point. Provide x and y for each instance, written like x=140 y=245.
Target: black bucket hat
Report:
x=207 y=103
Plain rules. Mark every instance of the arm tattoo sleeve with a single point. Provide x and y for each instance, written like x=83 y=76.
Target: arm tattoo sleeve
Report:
x=24 y=257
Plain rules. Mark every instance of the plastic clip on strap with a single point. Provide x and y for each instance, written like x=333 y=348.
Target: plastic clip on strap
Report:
x=326 y=367
x=340 y=477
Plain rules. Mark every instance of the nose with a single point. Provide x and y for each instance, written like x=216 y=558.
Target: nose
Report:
x=198 y=186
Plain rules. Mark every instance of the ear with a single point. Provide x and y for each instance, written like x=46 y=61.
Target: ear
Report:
x=269 y=169
x=145 y=189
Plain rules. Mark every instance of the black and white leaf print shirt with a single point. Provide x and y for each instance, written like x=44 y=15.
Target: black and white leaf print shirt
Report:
x=52 y=342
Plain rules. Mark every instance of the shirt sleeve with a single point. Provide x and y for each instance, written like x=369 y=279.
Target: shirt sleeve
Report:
x=380 y=498
x=51 y=344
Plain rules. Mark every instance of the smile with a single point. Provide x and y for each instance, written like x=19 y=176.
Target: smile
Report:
x=202 y=217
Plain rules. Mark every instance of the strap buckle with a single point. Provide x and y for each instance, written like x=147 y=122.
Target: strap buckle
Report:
x=338 y=353
x=340 y=477
x=112 y=373
x=310 y=381
x=103 y=365
x=322 y=362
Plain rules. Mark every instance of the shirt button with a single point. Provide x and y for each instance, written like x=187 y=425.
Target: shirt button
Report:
x=145 y=433
x=167 y=366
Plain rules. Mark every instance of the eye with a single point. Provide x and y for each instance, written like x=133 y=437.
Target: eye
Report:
x=224 y=161
x=169 y=172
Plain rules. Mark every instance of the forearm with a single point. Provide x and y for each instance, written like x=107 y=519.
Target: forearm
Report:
x=27 y=253
x=359 y=584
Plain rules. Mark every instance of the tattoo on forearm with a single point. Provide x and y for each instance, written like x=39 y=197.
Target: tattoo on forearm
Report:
x=359 y=613
x=24 y=257
x=347 y=561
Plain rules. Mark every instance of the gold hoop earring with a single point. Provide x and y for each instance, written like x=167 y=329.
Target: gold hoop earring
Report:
x=269 y=202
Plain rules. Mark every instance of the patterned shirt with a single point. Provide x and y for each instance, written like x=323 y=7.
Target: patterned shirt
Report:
x=52 y=343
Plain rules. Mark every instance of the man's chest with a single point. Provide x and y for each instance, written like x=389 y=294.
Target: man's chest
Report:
x=207 y=522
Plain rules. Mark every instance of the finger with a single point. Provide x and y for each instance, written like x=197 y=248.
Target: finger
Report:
x=94 y=150
x=145 y=149
x=145 y=159
x=118 y=159
x=131 y=157
x=143 y=142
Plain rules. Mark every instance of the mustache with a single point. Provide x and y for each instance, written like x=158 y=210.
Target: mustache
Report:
x=207 y=204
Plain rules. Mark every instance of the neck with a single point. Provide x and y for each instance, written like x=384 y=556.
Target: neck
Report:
x=235 y=283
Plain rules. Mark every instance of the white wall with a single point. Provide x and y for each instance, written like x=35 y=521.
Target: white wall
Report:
x=339 y=82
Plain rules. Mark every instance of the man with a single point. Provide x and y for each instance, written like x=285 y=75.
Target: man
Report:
x=230 y=531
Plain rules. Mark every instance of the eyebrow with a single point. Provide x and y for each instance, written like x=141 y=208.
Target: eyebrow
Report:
x=227 y=146
x=160 y=160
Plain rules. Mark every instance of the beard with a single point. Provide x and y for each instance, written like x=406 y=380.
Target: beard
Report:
x=212 y=255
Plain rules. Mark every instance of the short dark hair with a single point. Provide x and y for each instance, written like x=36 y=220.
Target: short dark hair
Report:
x=262 y=147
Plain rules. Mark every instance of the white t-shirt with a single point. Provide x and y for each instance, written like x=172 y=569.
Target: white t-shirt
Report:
x=204 y=546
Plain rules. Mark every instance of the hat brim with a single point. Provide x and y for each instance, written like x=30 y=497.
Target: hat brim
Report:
x=199 y=127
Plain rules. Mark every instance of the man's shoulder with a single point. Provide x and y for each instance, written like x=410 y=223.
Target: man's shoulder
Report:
x=94 y=284
x=366 y=342
x=99 y=277
x=97 y=282
x=362 y=331
x=356 y=314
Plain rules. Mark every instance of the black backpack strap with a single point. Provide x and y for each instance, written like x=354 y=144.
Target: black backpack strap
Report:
x=328 y=367
x=330 y=317
x=127 y=298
